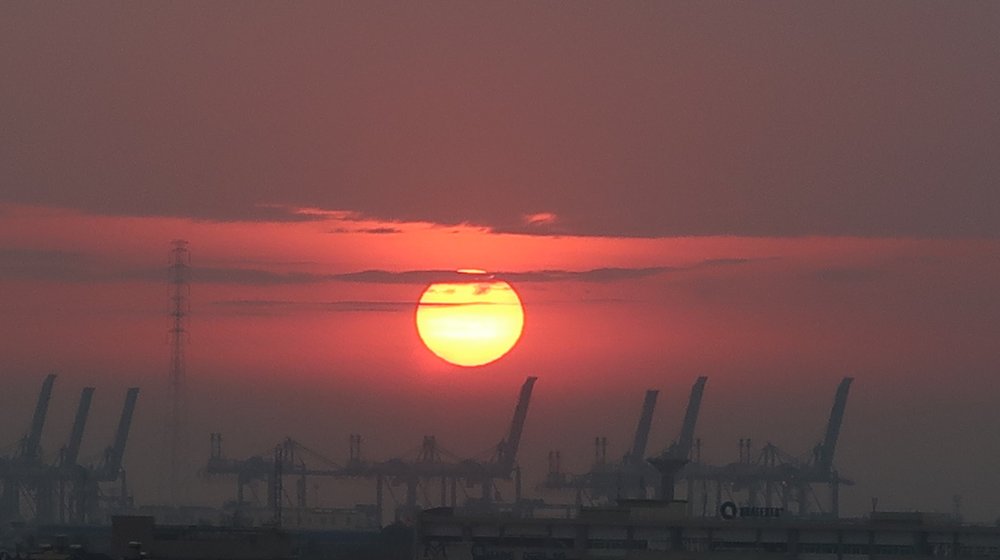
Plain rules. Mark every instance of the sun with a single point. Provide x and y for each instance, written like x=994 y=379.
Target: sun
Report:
x=470 y=323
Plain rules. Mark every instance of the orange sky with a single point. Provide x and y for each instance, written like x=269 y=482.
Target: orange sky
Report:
x=277 y=320
x=774 y=196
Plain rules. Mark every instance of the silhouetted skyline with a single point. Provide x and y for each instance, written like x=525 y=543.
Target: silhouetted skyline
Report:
x=774 y=196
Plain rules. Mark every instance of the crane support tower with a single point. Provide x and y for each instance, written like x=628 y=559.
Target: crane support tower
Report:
x=804 y=486
x=432 y=466
x=675 y=457
x=41 y=489
x=605 y=482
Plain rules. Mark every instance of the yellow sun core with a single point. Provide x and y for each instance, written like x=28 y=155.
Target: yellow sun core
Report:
x=470 y=323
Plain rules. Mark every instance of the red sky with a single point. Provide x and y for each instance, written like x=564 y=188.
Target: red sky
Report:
x=775 y=197
x=287 y=330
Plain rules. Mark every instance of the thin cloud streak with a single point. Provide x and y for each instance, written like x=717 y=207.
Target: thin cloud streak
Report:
x=33 y=264
x=422 y=277
x=83 y=268
x=276 y=307
x=669 y=119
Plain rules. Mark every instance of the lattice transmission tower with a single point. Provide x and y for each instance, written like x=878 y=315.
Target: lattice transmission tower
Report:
x=180 y=265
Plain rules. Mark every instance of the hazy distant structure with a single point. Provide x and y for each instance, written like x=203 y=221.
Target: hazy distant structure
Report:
x=678 y=454
x=432 y=469
x=65 y=491
x=180 y=264
x=610 y=480
x=805 y=487
x=430 y=466
x=634 y=476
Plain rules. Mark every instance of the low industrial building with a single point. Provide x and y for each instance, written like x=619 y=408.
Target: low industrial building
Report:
x=653 y=530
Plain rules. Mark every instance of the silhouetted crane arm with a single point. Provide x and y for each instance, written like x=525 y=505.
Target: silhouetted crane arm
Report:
x=637 y=454
x=829 y=445
x=34 y=438
x=115 y=453
x=683 y=448
x=79 y=423
x=508 y=447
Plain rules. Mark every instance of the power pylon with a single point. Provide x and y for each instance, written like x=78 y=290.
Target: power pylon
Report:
x=180 y=264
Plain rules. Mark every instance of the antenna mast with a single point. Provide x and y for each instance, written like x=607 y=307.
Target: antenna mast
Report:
x=180 y=264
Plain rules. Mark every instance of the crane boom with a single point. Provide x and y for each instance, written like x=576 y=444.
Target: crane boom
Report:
x=34 y=438
x=115 y=453
x=686 y=439
x=79 y=423
x=508 y=447
x=636 y=456
x=829 y=445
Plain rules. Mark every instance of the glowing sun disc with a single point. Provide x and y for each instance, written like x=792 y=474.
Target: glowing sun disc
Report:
x=470 y=323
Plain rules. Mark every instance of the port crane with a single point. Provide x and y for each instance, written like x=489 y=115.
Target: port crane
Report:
x=64 y=491
x=634 y=475
x=430 y=464
x=676 y=456
x=607 y=481
x=774 y=478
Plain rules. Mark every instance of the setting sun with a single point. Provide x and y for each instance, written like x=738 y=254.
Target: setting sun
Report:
x=470 y=323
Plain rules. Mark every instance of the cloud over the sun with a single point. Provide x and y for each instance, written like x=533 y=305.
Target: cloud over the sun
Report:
x=670 y=119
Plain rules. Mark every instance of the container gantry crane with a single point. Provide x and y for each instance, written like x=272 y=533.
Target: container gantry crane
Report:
x=774 y=478
x=64 y=491
x=604 y=481
x=678 y=454
x=635 y=474
x=430 y=464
